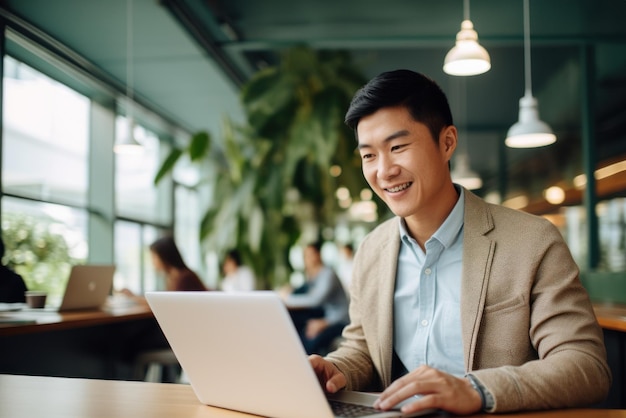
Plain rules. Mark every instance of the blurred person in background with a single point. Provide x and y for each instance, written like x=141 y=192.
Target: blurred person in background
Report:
x=168 y=260
x=237 y=277
x=319 y=308
x=12 y=286
x=344 y=265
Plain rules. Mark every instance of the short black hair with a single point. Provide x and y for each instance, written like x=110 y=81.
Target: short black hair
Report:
x=423 y=98
x=234 y=255
x=317 y=245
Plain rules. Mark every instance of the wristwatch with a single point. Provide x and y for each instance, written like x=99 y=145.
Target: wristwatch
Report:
x=485 y=396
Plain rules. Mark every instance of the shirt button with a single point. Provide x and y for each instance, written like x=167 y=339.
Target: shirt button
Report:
x=428 y=271
x=424 y=322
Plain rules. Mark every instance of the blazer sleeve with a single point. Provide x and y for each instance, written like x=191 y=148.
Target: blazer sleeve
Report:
x=365 y=355
x=539 y=345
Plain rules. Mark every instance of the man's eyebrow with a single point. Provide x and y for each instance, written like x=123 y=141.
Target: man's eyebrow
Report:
x=391 y=137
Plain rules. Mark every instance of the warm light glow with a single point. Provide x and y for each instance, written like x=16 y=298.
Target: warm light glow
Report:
x=610 y=170
x=533 y=140
x=366 y=194
x=335 y=171
x=342 y=193
x=493 y=197
x=580 y=181
x=128 y=149
x=470 y=183
x=364 y=211
x=345 y=203
x=554 y=195
x=517 y=202
x=462 y=173
x=128 y=145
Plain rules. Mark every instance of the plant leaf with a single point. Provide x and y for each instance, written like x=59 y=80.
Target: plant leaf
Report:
x=199 y=146
x=168 y=164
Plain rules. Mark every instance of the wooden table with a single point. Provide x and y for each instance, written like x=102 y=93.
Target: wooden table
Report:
x=90 y=344
x=51 y=397
x=30 y=321
x=612 y=319
x=611 y=316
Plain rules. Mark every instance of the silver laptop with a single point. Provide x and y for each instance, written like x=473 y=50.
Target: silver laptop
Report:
x=87 y=288
x=241 y=352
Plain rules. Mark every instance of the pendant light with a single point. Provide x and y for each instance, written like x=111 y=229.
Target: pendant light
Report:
x=462 y=173
x=529 y=131
x=127 y=144
x=467 y=57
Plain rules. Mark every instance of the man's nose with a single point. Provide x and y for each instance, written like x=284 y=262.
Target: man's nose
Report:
x=387 y=167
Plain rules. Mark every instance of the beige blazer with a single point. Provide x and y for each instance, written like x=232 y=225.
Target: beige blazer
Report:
x=529 y=332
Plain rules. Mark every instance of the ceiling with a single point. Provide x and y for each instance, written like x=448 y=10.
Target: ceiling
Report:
x=189 y=58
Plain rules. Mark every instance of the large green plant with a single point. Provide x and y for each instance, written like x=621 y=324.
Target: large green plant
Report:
x=271 y=175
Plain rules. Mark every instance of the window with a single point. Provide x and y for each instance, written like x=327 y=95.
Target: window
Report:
x=45 y=177
x=136 y=196
x=612 y=234
x=46 y=160
x=134 y=270
x=42 y=241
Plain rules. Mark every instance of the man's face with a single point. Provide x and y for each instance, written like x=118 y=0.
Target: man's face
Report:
x=402 y=163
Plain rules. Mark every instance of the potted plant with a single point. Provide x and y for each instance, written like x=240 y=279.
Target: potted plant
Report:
x=271 y=176
x=37 y=253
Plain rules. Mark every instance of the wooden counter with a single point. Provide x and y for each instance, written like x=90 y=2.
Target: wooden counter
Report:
x=99 y=344
x=29 y=321
x=29 y=396
x=611 y=316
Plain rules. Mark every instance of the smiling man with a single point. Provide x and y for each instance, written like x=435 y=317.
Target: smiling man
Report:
x=471 y=306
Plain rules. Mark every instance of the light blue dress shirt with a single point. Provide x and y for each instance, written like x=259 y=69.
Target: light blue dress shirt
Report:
x=427 y=313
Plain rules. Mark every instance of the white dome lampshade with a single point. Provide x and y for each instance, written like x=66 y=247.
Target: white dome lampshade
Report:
x=127 y=144
x=529 y=131
x=467 y=57
x=462 y=173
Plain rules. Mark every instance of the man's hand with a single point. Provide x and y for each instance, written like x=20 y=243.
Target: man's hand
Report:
x=331 y=379
x=314 y=327
x=435 y=388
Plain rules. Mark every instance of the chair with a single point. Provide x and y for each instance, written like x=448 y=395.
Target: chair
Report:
x=157 y=365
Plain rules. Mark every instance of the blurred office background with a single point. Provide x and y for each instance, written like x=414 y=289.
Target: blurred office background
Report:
x=77 y=74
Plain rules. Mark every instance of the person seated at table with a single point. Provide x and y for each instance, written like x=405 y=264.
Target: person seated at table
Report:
x=456 y=303
x=12 y=286
x=319 y=308
x=168 y=261
x=237 y=277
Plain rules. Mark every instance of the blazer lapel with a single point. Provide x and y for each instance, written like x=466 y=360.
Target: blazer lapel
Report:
x=386 y=275
x=478 y=251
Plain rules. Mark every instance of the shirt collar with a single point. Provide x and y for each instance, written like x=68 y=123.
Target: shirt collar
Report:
x=449 y=229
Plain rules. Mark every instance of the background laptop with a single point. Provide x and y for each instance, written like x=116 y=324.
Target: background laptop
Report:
x=241 y=351
x=87 y=287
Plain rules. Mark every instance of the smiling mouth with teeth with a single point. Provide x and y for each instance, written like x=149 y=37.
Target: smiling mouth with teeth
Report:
x=398 y=188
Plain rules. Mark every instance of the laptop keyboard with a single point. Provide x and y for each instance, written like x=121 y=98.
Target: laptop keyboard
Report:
x=350 y=410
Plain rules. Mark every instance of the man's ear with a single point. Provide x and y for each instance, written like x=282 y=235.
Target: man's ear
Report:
x=448 y=140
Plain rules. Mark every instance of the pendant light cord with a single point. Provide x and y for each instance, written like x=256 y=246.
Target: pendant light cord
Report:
x=466 y=10
x=129 y=57
x=527 y=66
